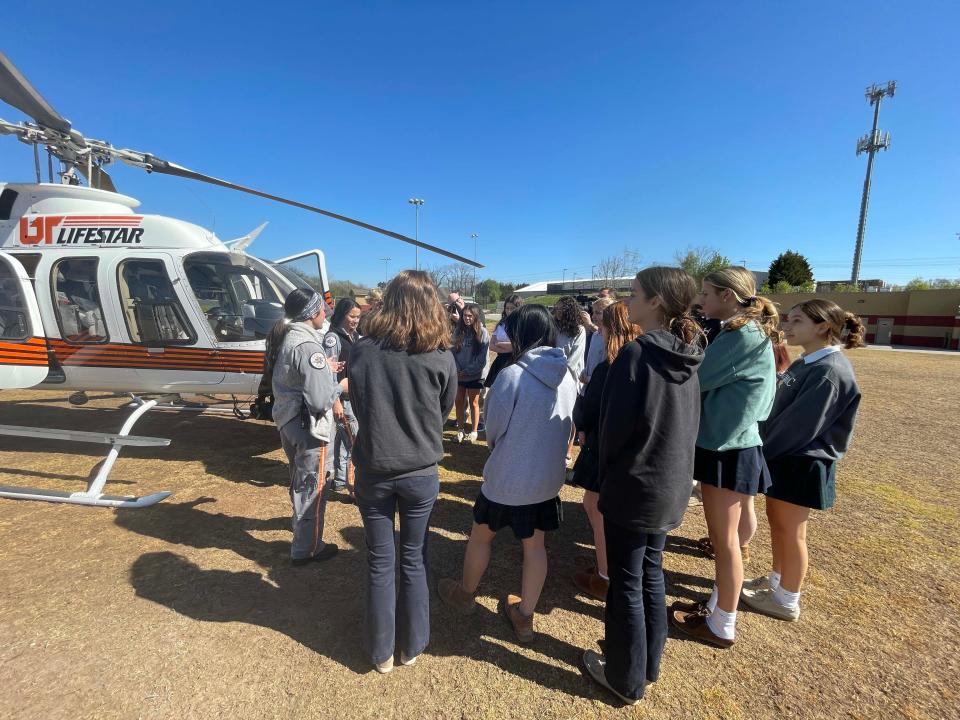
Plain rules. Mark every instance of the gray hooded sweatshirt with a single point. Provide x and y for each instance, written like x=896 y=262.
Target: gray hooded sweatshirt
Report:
x=529 y=418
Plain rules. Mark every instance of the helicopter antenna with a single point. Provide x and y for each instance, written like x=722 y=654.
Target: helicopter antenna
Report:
x=88 y=156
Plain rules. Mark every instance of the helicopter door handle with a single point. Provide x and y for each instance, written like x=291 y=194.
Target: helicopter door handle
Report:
x=155 y=350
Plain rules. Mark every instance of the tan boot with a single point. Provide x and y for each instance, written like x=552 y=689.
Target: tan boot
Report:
x=453 y=594
x=522 y=624
x=590 y=583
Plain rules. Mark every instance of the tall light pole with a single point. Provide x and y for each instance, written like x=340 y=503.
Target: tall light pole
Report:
x=417 y=204
x=386 y=273
x=869 y=144
x=564 y=279
x=474 y=292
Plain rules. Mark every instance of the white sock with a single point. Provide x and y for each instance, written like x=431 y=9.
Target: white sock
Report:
x=712 y=602
x=774 y=579
x=723 y=624
x=788 y=599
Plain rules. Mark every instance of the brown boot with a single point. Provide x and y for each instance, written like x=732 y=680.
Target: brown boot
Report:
x=689 y=606
x=694 y=624
x=522 y=624
x=453 y=594
x=590 y=583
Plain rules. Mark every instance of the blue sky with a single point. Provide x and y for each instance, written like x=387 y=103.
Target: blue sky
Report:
x=560 y=132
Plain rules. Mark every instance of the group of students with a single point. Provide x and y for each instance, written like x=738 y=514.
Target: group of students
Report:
x=659 y=407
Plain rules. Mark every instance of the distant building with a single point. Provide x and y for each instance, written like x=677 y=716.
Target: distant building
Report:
x=621 y=285
x=824 y=286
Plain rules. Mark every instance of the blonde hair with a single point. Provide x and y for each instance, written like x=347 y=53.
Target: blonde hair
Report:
x=845 y=328
x=601 y=303
x=753 y=308
x=412 y=317
x=620 y=331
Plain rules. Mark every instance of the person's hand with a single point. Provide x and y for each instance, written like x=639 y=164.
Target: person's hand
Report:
x=337 y=366
x=582 y=437
x=338 y=413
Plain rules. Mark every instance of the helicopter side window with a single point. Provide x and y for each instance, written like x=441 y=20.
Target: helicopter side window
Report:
x=239 y=301
x=153 y=314
x=76 y=299
x=13 y=311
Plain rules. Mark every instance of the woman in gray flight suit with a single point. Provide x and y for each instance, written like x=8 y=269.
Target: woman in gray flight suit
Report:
x=306 y=407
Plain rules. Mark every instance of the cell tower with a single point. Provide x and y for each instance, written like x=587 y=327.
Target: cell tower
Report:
x=870 y=144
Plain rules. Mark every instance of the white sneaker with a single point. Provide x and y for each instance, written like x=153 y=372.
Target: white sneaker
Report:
x=472 y=438
x=763 y=602
x=385 y=667
x=751 y=587
x=404 y=660
x=460 y=436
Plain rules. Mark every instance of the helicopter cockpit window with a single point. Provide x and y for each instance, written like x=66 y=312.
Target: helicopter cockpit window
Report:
x=13 y=311
x=239 y=300
x=154 y=315
x=76 y=300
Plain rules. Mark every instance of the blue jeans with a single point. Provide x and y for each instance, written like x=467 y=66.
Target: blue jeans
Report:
x=396 y=619
x=635 y=620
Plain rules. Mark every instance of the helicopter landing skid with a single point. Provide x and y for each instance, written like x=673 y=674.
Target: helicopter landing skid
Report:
x=93 y=495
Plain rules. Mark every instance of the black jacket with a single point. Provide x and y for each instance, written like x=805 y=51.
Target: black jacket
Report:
x=649 y=416
x=401 y=401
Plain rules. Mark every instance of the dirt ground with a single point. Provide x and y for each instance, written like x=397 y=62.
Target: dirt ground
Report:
x=190 y=609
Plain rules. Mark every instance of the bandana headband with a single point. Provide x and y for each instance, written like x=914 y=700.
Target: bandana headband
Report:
x=312 y=308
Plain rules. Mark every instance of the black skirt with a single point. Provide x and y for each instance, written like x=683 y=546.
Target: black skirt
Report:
x=742 y=470
x=805 y=481
x=499 y=363
x=524 y=519
x=471 y=384
x=586 y=470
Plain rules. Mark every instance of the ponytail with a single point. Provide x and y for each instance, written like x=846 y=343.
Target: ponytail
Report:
x=687 y=329
x=852 y=335
x=763 y=312
x=845 y=328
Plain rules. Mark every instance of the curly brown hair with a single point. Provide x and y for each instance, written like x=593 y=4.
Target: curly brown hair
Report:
x=567 y=315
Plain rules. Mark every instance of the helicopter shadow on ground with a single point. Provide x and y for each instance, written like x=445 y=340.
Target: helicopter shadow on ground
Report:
x=228 y=448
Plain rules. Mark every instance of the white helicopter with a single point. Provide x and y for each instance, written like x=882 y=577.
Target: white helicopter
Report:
x=95 y=296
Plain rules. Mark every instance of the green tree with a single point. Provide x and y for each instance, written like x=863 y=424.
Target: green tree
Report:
x=700 y=261
x=488 y=291
x=945 y=284
x=790 y=267
x=918 y=283
x=845 y=288
x=781 y=287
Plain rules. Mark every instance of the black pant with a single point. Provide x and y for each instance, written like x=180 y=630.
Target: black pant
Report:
x=635 y=621
x=391 y=617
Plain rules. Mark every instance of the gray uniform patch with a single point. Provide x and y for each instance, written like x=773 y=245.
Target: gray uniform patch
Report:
x=318 y=361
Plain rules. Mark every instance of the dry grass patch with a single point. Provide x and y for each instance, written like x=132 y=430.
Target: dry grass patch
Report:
x=189 y=609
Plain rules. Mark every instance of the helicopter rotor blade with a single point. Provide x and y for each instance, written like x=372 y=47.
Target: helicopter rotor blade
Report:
x=16 y=90
x=155 y=164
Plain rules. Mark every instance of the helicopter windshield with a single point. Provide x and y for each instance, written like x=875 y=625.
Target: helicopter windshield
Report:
x=239 y=299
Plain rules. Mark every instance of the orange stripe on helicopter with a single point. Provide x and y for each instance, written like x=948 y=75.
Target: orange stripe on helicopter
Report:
x=31 y=351
x=124 y=355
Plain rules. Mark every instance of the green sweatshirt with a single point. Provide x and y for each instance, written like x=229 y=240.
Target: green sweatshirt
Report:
x=738 y=381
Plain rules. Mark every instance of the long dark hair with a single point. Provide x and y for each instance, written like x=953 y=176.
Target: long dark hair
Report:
x=343 y=308
x=514 y=300
x=294 y=304
x=477 y=329
x=531 y=326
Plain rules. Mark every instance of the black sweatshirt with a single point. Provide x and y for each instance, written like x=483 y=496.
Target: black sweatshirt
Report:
x=649 y=417
x=401 y=401
x=586 y=417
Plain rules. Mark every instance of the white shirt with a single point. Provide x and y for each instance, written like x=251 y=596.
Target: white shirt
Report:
x=822 y=353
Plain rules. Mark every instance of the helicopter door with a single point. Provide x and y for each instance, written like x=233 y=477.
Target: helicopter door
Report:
x=307 y=270
x=23 y=350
